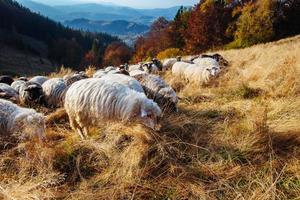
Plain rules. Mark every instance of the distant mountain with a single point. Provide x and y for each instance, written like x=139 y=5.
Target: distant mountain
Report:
x=93 y=11
x=124 y=22
x=31 y=43
x=117 y=27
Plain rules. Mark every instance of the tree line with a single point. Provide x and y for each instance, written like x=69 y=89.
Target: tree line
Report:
x=216 y=24
x=65 y=46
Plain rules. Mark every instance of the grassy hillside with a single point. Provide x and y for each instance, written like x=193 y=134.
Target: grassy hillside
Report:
x=236 y=138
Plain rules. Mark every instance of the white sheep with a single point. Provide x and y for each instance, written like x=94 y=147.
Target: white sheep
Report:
x=137 y=72
x=89 y=102
x=179 y=68
x=9 y=93
x=70 y=79
x=39 y=79
x=54 y=91
x=158 y=90
x=21 y=122
x=128 y=81
x=101 y=72
x=169 y=62
x=17 y=85
x=207 y=62
x=138 y=66
x=200 y=74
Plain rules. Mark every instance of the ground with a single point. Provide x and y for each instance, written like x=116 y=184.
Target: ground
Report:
x=235 y=138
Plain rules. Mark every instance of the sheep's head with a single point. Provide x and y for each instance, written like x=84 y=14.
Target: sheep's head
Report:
x=149 y=114
x=214 y=71
x=168 y=99
x=33 y=92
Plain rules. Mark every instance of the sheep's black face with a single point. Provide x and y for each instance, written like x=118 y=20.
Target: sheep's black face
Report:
x=33 y=94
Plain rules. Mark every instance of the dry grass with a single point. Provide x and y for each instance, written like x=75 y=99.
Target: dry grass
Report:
x=238 y=138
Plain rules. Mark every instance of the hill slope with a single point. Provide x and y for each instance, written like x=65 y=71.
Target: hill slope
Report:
x=34 y=35
x=236 y=138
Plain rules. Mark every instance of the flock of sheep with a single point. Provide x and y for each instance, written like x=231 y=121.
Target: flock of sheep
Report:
x=132 y=93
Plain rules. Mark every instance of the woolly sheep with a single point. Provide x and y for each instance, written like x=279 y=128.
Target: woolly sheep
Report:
x=207 y=62
x=31 y=93
x=128 y=81
x=168 y=63
x=70 y=79
x=150 y=68
x=135 y=67
x=23 y=78
x=6 y=79
x=9 y=93
x=179 y=68
x=137 y=72
x=200 y=74
x=218 y=58
x=16 y=85
x=157 y=63
x=39 y=79
x=158 y=90
x=91 y=101
x=54 y=91
x=15 y=120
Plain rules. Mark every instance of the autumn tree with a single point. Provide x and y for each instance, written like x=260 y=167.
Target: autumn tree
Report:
x=116 y=54
x=178 y=28
x=255 y=25
x=207 y=25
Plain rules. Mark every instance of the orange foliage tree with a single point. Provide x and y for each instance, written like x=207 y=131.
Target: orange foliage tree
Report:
x=116 y=54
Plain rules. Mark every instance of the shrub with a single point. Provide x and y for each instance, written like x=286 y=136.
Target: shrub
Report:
x=168 y=53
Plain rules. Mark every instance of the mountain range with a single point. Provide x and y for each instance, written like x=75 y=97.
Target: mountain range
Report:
x=109 y=18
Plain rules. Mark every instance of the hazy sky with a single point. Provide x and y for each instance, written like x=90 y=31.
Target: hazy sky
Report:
x=130 y=3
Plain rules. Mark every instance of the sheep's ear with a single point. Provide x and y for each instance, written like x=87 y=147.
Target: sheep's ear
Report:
x=143 y=113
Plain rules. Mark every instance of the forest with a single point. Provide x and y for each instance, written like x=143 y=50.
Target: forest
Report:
x=219 y=24
x=65 y=46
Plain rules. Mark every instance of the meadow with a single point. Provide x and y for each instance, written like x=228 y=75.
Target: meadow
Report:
x=237 y=137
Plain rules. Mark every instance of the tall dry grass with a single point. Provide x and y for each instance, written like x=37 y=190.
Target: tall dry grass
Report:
x=237 y=138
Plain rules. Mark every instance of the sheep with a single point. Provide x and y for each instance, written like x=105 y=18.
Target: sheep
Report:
x=9 y=93
x=200 y=74
x=21 y=122
x=157 y=63
x=135 y=67
x=54 y=90
x=91 y=101
x=70 y=79
x=16 y=85
x=137 y=72
x=123 y=70
x=110 y=68
x=150 y=68
x=23 y=78
x=158 y=90
x=168 y=63
x=6 y=79
x=39 y=79
x=31 y=93
x=128 y=81
x=217 y=57
x=179 y=68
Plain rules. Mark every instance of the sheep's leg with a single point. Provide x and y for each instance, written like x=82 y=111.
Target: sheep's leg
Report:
x=75 y=126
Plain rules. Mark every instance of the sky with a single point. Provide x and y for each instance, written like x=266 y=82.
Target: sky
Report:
x=130 y=3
